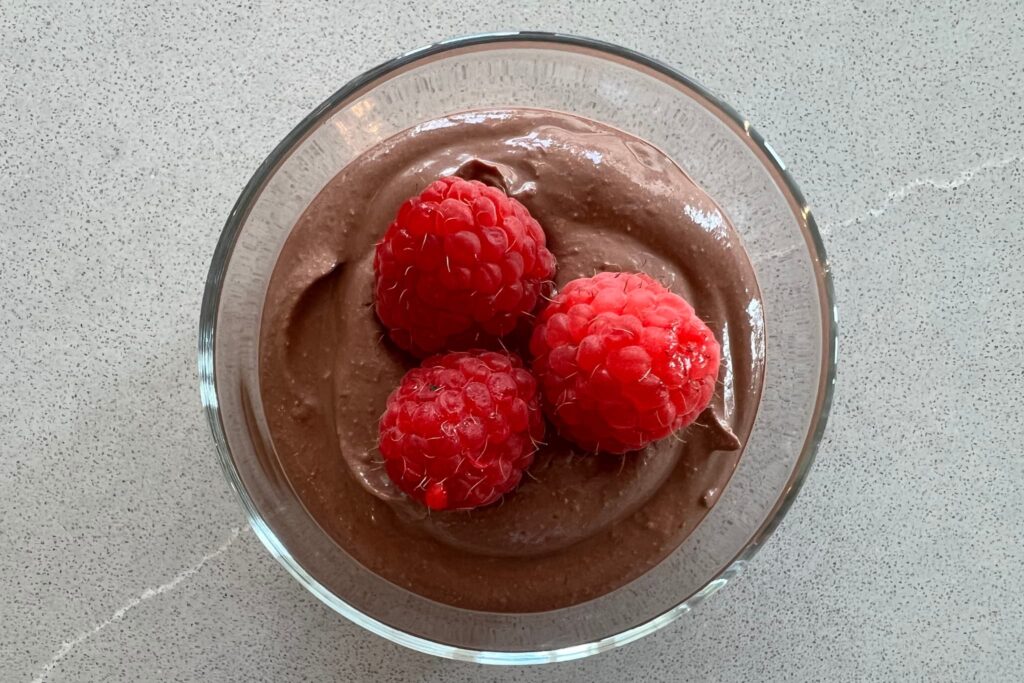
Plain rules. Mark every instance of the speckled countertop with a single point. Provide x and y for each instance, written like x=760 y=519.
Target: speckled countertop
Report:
x=127 y=132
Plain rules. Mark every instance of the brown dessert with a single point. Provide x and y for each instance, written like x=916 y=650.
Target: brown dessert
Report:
x=582 y=524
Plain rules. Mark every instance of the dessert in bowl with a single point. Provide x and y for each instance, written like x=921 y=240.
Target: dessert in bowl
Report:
x=622 y=515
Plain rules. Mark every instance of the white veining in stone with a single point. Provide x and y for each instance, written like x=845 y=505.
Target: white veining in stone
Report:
x=901 y=193
x=120 y=613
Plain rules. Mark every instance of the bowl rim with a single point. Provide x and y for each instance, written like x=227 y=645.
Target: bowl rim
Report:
x=211 y=305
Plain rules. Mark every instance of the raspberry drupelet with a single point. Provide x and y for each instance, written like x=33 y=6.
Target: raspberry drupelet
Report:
x=460 y=430
x=622 y=362
x=458 y=267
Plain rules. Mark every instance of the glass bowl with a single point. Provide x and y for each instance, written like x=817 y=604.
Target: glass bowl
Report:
x=714 y=144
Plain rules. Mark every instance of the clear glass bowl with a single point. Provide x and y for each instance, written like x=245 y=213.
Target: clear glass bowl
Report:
x=715 y=145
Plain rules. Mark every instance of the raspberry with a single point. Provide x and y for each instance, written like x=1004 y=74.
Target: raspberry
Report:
x=460 y=430
x=622 y=362
x=458 y=267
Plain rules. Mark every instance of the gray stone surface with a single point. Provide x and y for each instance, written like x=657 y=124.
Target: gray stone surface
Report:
x=126 y=132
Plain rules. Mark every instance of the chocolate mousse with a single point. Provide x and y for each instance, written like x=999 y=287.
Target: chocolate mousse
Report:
x=580 y=525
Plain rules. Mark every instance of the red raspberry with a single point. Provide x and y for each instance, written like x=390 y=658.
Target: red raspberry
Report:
x=460 y=430
x=458 y=267
x=622 y=362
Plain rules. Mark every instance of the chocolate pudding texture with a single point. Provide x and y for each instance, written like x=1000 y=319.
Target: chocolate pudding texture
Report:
x=581 y=524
